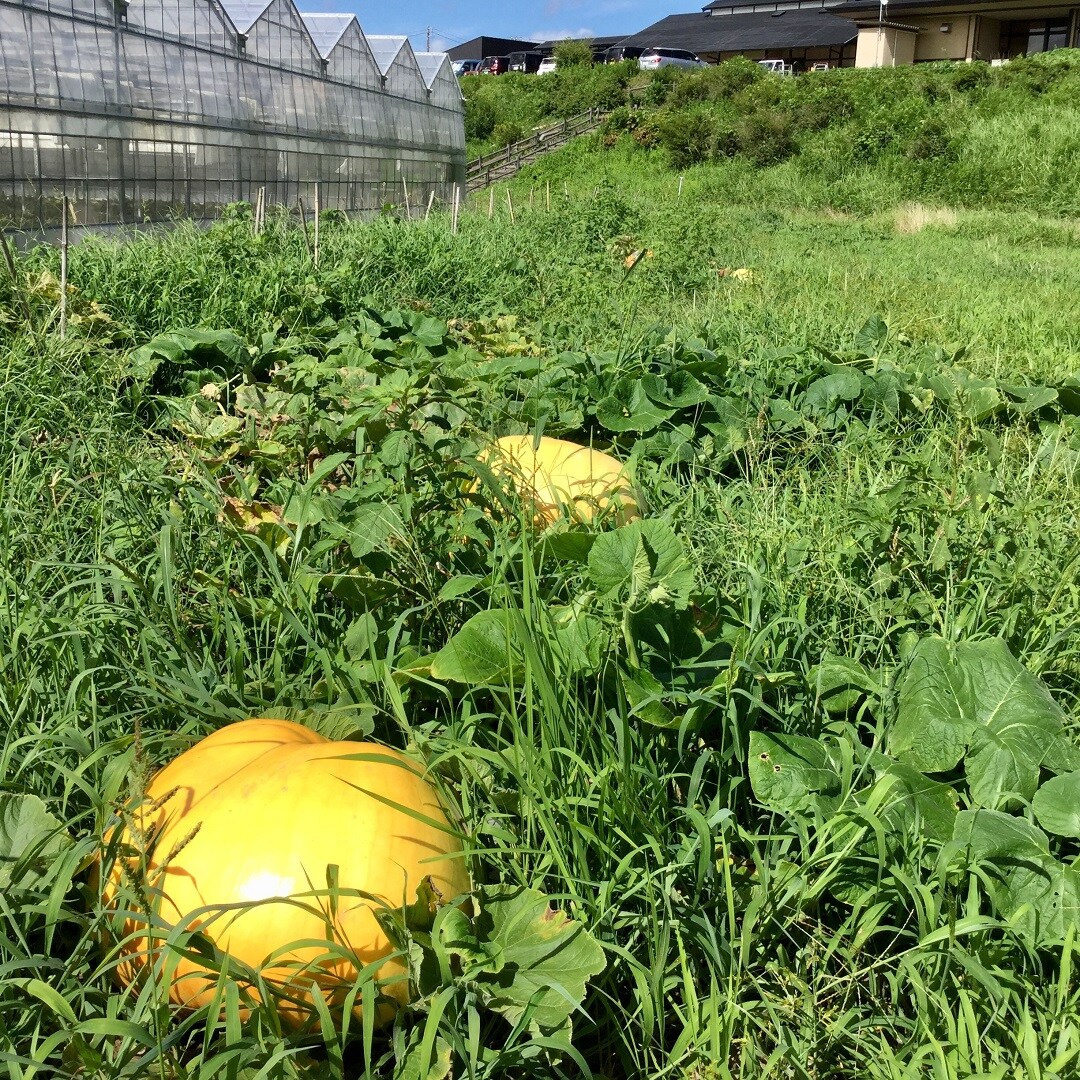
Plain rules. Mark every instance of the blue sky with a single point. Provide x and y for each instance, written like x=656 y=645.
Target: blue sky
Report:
x=454 y=21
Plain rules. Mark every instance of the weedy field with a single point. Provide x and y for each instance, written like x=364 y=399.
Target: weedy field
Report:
x=794 y=754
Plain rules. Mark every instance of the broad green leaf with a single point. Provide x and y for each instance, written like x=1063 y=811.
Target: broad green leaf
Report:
x=423 y=1062
x=871 y=338
x=1057 y=805
x=645 y=696
x=642 y=563
x=629 y=408
x=840 y=683
x=826 y=396
x=791 y=773
x=977 y=694
x=1036 y=892
x=31 y=838
x=934 y=716
x=547 y=957
x=676 y=390
x=487 y=649
x=1005 y=757
x=916 y=798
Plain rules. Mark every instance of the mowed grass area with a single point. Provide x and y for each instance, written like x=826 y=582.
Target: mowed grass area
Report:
x=798 y=751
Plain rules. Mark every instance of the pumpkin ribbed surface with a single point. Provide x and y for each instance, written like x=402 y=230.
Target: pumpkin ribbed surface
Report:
x=559 y=477
x=258 y=813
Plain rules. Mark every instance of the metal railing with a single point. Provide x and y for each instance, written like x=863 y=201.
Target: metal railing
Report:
x=483 y=171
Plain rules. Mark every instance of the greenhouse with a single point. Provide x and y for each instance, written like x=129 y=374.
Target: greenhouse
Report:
x=146 y=110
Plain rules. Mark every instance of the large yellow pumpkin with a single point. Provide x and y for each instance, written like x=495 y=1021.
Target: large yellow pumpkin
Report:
x=561 y=478
x=238 y=833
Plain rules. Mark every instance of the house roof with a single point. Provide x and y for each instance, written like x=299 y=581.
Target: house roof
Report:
x=791 y=29
x=326 y=30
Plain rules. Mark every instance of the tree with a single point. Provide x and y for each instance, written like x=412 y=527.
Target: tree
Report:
x=573 y=52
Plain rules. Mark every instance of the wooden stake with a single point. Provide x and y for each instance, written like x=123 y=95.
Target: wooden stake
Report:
x=679 y=195
x=405 y=188
x=303 y=221
x=510 y=203
x=531 y=190
x=63 y=265
x=457 y=203
x=548 y=192
x=491 y=202
x=430 y=203
x=317 y=209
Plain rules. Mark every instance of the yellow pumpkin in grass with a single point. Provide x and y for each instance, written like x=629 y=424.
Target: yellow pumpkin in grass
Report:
x=560 y=478
x=235 y=841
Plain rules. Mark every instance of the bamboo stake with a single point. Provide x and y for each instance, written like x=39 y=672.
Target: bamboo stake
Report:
x=303 y=221
x=679 y=195
x=63 y=265
x=548 y=193
x=457 y=203
x=430 y=204
x=405 y=188
x=531 y=191
x=510 y=203
x=491 y=202
x=318 y=207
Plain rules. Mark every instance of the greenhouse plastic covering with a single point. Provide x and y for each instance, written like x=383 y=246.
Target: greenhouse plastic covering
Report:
x=154 y=109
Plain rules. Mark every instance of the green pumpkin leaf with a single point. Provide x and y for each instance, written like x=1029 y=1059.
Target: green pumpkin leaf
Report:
x=629 y=408
x=643 y=562
x=31 y=838
x=547 y=957
x=487 y=649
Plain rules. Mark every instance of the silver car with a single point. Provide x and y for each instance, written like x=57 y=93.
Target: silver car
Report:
x=651 y=59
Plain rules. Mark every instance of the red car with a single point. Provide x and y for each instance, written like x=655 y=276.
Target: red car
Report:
x=494 y=65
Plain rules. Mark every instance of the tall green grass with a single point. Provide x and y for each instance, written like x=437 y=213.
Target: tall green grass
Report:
x=133 y=620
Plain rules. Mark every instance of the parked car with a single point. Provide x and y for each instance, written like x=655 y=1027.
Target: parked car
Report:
x=651 y=59
x=547 y=66
x=466 y=67
x=528 y=62
x=618 y=53
x=777 y=67
x=494 y=65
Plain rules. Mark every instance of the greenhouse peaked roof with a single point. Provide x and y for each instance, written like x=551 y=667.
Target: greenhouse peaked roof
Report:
x=430 y=63
x=385 y=49
x=244 y=15
x=326 y=30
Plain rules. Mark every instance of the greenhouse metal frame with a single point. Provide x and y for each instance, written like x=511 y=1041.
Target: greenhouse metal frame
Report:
x=148 y=110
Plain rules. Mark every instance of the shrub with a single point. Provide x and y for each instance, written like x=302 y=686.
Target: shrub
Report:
x=767 y=137
x=506 y=133
x=573 y=52
x=480 y=119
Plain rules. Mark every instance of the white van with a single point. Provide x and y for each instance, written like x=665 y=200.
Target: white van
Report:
x=777 y=67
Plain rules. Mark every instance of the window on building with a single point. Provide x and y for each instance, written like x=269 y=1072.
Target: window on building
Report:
x=1022 y=38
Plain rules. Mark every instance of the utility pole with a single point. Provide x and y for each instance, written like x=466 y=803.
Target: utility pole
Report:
x=427 y=48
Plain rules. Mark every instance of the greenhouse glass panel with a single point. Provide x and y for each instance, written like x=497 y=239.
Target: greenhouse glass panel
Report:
x=145 y=111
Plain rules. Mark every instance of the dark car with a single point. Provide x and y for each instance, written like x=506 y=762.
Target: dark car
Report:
x=494 y=65
x=618 y=53
x=528 y=62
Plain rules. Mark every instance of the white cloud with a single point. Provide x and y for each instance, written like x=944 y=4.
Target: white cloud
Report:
x=560 y=35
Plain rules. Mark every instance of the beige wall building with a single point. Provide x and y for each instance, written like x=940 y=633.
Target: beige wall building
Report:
x=907 y=31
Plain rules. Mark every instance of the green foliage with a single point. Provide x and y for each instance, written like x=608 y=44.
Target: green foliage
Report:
x=781 y=775
x=573 y=52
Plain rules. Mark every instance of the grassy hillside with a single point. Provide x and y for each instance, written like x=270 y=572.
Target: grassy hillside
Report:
x=796 y=754
x=960 y=134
